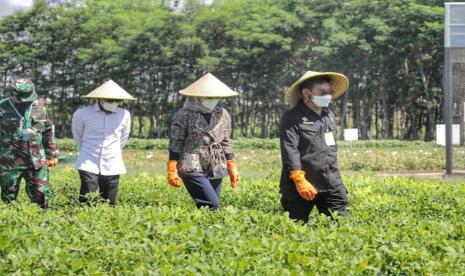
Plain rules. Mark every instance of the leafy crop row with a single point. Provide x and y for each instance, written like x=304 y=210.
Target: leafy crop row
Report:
x=253 y=161
x=256 y=143
x=397 y=226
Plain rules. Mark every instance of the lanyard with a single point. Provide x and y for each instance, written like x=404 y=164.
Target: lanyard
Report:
x=27 y=114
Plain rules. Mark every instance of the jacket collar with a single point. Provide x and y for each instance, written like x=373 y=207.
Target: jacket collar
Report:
x=96 y=107
x=214 y=120
x=309 y=112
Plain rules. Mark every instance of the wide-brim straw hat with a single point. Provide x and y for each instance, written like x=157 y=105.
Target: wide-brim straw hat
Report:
x=339 y=84
x=109 y=90
x=208 y=86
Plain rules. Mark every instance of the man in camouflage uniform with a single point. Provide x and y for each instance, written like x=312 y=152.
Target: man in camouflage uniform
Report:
x=27 y=144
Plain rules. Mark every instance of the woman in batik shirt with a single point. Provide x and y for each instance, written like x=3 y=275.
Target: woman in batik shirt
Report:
x=199 y=148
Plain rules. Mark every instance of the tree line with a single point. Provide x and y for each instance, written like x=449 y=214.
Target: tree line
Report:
x=392 y=52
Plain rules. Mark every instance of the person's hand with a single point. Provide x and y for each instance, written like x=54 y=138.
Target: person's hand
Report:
x=52 y=162
x=173 y=177
x=234 y=176
x=304 y=188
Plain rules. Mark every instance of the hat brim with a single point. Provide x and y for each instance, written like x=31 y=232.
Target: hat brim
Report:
x=208 y=86
x=30 y=98
x=109 y=98
x=339 y=85
x=109 y=90
x=228 y=94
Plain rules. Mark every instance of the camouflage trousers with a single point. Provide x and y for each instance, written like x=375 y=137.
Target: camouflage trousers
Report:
x=36 y=185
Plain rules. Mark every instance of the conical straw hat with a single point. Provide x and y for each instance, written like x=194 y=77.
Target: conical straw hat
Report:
x=109 y=90
x=339 y=84
x=208 y=86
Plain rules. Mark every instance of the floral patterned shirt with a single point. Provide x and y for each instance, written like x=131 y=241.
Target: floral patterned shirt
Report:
x=202 y=146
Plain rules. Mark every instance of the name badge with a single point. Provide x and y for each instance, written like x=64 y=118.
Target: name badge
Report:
x=329 y=139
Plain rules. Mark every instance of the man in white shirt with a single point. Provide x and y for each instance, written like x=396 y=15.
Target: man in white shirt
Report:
x=100 y=132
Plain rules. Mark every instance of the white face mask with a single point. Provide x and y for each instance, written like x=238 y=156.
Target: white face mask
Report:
x=209 y=103
x=111 y=107
x=322 y=101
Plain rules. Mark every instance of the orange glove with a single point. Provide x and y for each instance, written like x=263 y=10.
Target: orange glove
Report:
x=173 y=177
x=234 y=176
x=304 y=188
x=52 y=162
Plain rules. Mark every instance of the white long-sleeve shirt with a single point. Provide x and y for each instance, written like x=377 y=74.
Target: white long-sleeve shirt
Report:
x=100 y=138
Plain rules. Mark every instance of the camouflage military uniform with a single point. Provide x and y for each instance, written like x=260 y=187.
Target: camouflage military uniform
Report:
x=26 y=142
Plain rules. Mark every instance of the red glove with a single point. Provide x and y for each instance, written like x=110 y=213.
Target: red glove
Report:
x=304 y=188
x=234 y=176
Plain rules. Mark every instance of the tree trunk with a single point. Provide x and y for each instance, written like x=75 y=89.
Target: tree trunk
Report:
x=343 y=117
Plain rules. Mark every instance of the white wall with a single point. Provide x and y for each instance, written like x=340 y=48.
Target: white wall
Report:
x=441 y=134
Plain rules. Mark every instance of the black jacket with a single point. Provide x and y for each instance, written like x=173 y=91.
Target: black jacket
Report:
x=304 y=147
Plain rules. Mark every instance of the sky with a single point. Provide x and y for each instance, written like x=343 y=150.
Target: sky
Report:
x=8 y=7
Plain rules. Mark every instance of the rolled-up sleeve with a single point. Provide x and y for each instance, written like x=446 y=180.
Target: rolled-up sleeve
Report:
x=289 y=140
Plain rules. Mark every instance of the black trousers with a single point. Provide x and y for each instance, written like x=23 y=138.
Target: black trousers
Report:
x=204 y=191
x=107 y=185
x=326 y=203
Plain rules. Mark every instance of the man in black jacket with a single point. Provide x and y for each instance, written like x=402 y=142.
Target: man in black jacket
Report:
x=310 y=174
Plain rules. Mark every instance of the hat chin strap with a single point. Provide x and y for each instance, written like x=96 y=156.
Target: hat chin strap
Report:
x=19 y=99
x=15 y=98
x=306 y=99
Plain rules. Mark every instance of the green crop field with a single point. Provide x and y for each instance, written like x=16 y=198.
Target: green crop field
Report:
x=397 y=225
